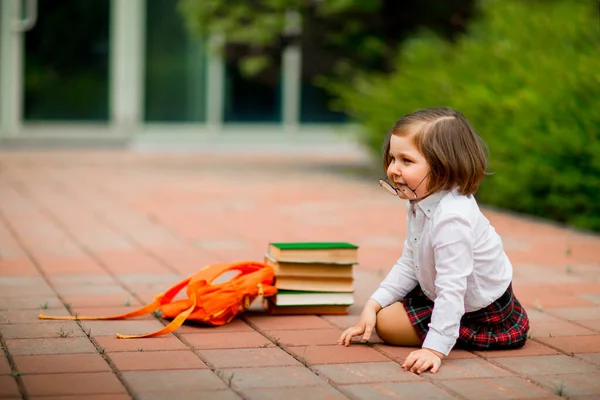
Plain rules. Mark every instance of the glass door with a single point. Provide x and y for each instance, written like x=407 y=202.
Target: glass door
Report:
x=66 y=62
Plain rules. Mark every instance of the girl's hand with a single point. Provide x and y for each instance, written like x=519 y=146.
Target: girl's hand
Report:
x=364 y=326
x=421 y=360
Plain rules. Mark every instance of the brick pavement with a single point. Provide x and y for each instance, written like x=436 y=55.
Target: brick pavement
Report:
x=102 y=232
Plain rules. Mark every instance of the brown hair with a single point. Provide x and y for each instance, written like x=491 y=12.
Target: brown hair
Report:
x=456 y=154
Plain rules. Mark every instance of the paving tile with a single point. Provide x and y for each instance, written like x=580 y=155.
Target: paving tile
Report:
x=571 y=385
x=126 y=327
x=31 y=303
x=593 y=324
x=54 y=329
x=313 y=355
x=17 y=267
x=268 y=323
x=237 y=325
x=227 y=340
x=9 y=387
x=239 y=358
x=468 y=368
x=61 y=363
x=542 y=365
x=172 y=381
x=87 y=397
x=399 y=353
x=156 y=360
x=72 y=384
x=296 y=393
x=531 y=348
x=590 y=357
x=342 y=374
x=224 y=394
x=399 y=390
x=290 y=376
x=29 y=316
x=559 y=328
x=101 y=300
x=68 y=345
x=306 y=337
x=4 y=365
x=168 y=342
x=577 y=313
x=576 y=344
x=496 y=388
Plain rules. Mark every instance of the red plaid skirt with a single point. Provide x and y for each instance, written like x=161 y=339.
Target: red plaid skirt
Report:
x=501 y=325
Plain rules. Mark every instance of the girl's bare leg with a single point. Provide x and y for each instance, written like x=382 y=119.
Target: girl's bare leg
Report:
x=394 y=327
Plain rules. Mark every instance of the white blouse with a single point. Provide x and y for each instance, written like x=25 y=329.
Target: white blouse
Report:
x=457 y=258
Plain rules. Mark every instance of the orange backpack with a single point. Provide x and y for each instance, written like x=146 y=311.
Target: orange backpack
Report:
x=207 y=303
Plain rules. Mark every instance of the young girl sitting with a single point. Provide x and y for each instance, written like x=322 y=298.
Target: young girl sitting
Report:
x=452 y=284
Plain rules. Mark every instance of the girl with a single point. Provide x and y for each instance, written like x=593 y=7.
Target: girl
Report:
x=452 y=284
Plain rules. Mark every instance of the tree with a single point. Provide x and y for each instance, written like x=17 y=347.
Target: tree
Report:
x=361 y=35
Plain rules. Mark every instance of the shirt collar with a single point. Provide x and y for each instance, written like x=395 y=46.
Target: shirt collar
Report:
x=430 y=203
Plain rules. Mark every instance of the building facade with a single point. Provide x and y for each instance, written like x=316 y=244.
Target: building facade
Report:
x=126 y=73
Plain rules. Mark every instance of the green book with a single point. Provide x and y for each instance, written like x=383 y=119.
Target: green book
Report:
x=314 y=252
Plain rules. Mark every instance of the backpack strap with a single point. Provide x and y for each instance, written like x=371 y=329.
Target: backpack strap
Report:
x=159 y=300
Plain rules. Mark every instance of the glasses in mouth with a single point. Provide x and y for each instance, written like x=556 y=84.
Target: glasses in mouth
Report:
x=403 y=191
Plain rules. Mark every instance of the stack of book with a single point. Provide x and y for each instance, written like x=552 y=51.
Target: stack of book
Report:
x=311 y=277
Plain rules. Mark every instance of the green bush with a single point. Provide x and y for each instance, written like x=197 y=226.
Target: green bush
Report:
x=527 y=75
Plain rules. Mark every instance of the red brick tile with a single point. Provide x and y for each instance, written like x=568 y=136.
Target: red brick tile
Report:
x=238 y=358
x=226 y=340
x=191 y=380
x=247 y=378
x=72 y=384
x=545 y=365
x=125 y=327
x=574 y=344
x=397 y=390
x=156 y=360
x=45 y=329
x=101 y=300
x=284 y=322
x=292 y=393
x=167 y=342
x=531 y=348
x=17 y=267
x=399 y=353
x=29 y=316
x=54 y=265
x=370 y=372
x=4 y=365
x=594 y=358
x=314 y=355
x=306 y=337
x=61 y=363
x=68 y=345
x=552 y=300
x=560 y=328
x=577 y=313
x=468 y=368
x=78 y=280
x=9 y=387
x=237 y=325
x=593 y=324
x=87 y=397
x=571 y=386
x=31 y=303
x=496 y=388
x=224 y=394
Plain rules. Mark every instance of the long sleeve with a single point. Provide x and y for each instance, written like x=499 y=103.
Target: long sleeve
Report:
x=399 y=281
x=453 y=251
